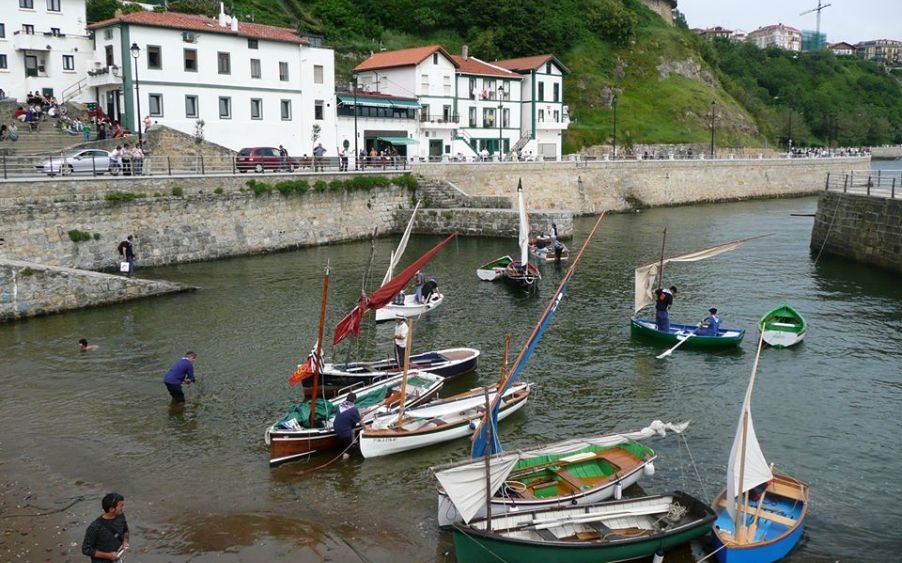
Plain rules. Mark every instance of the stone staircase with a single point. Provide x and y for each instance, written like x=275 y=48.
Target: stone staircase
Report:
x=439 y=194
x=46 y=138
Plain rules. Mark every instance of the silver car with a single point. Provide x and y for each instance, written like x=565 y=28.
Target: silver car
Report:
x=89 y=161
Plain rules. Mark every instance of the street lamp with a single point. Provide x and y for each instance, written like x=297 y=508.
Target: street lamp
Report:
x=713 y=104
x=136 y=52
x=789 y=137
x=614 y=105
x=356 y=154
x=500 y=122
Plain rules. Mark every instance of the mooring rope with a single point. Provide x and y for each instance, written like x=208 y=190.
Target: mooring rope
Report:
x=829 y=228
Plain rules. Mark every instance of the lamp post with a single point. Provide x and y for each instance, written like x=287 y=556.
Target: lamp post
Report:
x=500 y=122
x=789 y=136
x=136 y=52
x=356 y=154
x=713 y=104
x=614 y=106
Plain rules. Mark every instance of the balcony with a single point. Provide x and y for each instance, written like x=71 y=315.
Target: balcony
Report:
x=440 y=122
x=104 y=76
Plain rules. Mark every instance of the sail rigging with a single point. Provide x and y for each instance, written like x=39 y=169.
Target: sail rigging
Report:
x=648 y=276
x=350 y=324
x=402 y=245
x=489 y=423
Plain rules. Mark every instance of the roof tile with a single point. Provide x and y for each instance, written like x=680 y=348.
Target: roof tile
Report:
x=190 y=22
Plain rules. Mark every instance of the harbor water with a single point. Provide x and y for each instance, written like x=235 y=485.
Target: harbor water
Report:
x=197 y=482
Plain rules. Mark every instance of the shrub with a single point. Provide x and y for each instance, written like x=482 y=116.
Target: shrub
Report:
x=288 y=187
x=218 y=191
x=117 y=197
x=79 y=236
x=407 y=181
x=96 y=236
x=178 y=191
x=26 y=271
x=320 y=186
x=259 y=188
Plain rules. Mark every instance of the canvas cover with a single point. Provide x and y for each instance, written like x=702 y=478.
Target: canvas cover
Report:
x=464 y=481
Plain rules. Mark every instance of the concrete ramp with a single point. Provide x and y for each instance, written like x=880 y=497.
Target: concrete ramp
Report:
x=29 y=289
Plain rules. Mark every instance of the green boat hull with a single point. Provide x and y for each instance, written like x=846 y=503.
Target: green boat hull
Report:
x=476 y=546
x=783 y=327
x=645 y=328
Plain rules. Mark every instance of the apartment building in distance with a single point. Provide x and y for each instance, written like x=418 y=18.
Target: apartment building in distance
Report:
x=779 y=35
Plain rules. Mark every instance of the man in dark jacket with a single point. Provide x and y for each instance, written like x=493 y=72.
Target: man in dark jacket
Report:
x=106 y=538
x=346 y=420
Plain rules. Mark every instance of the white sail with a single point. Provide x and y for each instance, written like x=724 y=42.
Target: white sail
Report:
x=464 y=481
x=646 y=276
x=396 y=255
x=524 y=227
x=747 y=461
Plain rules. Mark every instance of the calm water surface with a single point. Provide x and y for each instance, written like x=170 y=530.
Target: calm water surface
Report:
x=198 y=482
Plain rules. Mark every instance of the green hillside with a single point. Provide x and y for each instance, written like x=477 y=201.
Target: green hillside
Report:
x=664 y=78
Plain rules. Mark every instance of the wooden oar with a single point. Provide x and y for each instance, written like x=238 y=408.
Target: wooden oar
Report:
x=678 y=344
x=753 y=527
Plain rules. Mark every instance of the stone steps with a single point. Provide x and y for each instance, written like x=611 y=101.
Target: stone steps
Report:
x=439 y=194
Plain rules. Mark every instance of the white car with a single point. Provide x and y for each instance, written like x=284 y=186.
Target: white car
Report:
x=90 y=161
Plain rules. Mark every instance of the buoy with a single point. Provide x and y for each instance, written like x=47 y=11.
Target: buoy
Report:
x=649 y=469
x=659 y=556
x=618 y=490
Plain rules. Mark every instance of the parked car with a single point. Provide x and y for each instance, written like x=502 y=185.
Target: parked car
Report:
x=261 y=159
x=90 y=161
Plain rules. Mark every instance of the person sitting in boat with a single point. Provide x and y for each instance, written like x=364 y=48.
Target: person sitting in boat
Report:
x=399 y=298
x=540 y=242
x=418 y=280
x=710 y=324
x=428 y=289
x=346 y=420
x=664 y=299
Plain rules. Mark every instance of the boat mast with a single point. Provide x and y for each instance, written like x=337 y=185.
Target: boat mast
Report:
x=319 y=348
x=738 y=516
x=661 y=265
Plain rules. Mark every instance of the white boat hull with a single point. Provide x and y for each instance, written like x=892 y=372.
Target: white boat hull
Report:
x=489 y=274
x=455 y=419
x=782 y=338
x=447 y=512
x=410 y=308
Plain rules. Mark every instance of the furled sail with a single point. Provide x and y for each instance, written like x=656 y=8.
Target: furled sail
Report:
x=396 y=255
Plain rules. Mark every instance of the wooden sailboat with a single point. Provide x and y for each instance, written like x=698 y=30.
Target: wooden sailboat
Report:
x=783 y=327
x=350 y=324
x=574 y=471
x=307 y=426
x=410 y=307
x=519 y=272
x=650 y=276
x=761 y=513
x=592 y=533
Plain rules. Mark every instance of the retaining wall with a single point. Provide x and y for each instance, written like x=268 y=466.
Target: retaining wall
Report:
x=863 y=228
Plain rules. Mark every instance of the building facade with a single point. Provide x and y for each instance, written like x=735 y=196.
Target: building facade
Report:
x=883 y=51
x=44 y=48
x=239 y=84
x=779 y=35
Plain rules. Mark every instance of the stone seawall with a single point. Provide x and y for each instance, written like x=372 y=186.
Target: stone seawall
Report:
x=28 y=289
x=35 y=219
x=588 y=188
x=863 y=228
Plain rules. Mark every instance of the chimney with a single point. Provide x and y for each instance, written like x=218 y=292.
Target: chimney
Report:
x=465 y=52
x=222 y=16
x=234 y=25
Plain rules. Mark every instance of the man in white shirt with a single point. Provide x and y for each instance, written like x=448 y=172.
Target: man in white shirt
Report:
x=401 y=330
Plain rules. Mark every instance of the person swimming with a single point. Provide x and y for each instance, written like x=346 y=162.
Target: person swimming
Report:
x=83 y=346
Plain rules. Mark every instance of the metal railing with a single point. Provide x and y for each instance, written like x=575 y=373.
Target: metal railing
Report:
x=878 y=183
x=14 y=167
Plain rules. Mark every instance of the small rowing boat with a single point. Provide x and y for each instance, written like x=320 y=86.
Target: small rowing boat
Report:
x=783 y=327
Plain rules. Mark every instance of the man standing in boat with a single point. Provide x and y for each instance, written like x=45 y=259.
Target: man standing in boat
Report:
x=664 y=299
x=401 y=329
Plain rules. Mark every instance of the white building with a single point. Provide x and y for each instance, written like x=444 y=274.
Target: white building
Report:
x=249 y=84
x=44 y=48
x=466 y=105
x=542 y=111
x=779 y=35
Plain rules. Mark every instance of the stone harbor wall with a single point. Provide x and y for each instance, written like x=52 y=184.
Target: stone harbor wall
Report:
x=860 y=227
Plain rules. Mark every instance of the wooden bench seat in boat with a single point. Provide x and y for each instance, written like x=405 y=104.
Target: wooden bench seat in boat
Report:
x=570 y=478
x=786 y=490
x=765 y=515
x=785 y=325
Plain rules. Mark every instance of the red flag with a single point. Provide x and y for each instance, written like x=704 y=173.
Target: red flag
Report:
x=308 y=368
x=379 y=298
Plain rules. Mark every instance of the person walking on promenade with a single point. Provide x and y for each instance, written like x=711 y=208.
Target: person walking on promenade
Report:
x=182 y=371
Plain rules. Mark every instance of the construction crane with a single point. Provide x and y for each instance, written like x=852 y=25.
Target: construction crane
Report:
x=820 y=7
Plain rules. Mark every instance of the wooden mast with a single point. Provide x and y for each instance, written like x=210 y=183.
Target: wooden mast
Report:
x=318 y=354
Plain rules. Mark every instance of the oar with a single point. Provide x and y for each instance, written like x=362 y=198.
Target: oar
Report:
x=678 y=344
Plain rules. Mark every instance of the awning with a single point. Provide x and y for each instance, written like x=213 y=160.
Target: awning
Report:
x=398 y=140
x=370 y=101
